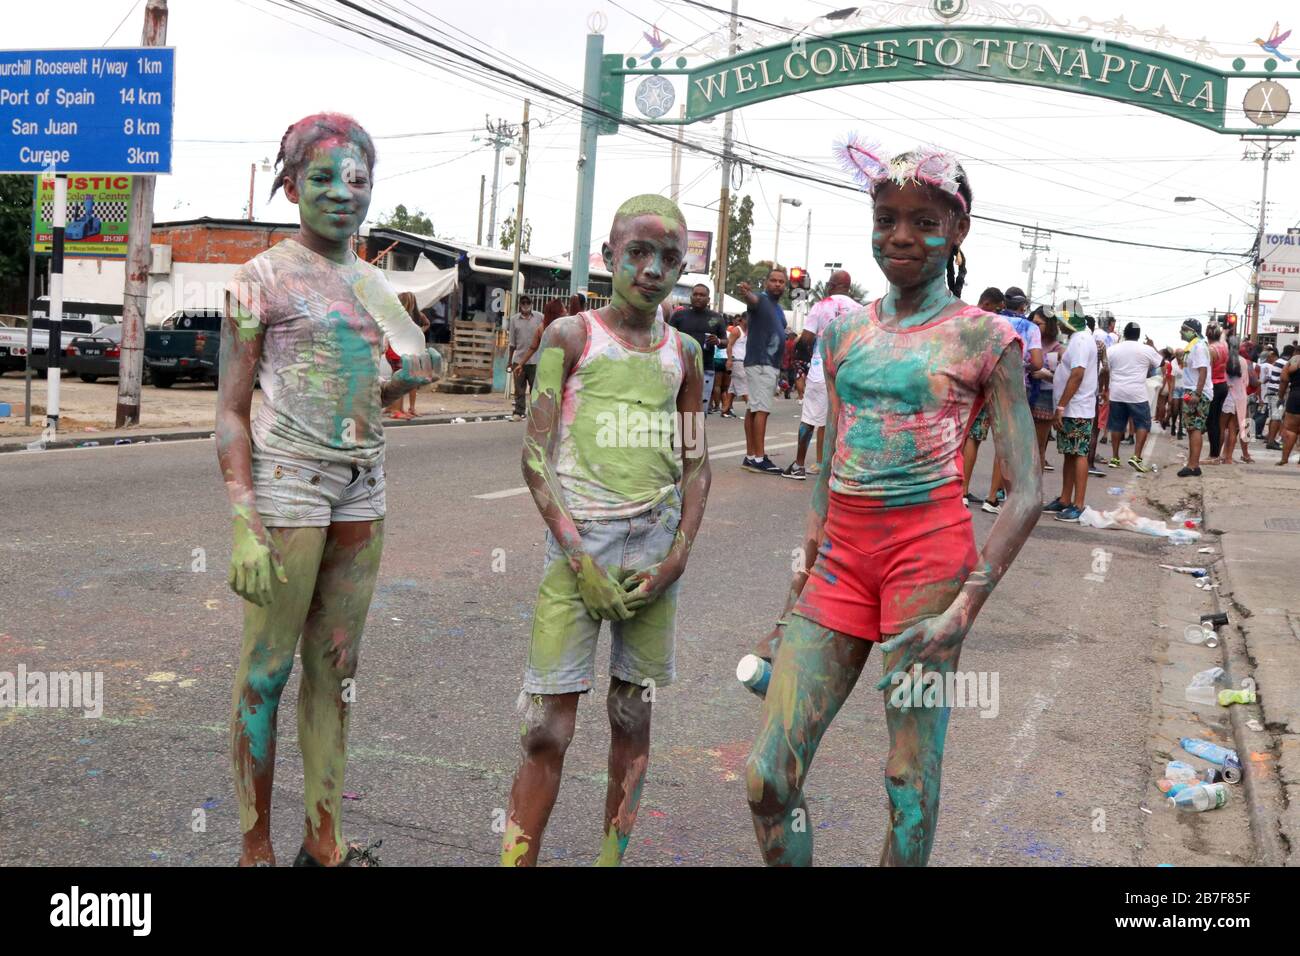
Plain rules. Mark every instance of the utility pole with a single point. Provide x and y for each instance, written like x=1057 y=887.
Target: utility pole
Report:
x=1056 y=279
x=502 y=135
x=1034 y=248
x=1267 y=147
x=1080 y=289
x=519 y=217
x=724 y=199
x=676 y=187
x=135 y=294
x=482 y=183
x=579 y=264
x=807 y=240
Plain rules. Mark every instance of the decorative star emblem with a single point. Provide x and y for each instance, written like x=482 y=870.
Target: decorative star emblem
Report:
x=655 y=96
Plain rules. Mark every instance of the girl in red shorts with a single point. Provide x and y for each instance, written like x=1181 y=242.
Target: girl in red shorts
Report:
x=889 y=555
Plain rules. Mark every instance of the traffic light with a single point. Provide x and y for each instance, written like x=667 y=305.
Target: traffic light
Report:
x=799 y=278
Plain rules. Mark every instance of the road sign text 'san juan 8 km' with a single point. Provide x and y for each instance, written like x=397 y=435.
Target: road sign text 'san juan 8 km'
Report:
x=1266 y=103
x=102 y=111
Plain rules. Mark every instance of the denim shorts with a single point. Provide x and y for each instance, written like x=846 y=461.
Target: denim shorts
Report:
x=562 y=651
x=311 y=493
x=1121 y=413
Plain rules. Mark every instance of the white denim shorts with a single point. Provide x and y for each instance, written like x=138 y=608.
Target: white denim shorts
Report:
x=311 y=493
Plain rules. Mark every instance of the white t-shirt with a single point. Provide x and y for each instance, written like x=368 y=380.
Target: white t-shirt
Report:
x=1198 y=357
x=1080 y=352
x=819 y=317
x=1131 y=364
x=1105 y=339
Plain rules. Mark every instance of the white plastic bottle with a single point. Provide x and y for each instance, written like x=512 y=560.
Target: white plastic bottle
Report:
x=1208 y=796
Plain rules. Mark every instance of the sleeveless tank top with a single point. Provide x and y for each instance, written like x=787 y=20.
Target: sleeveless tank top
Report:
x=738 y=349
x=618 y=423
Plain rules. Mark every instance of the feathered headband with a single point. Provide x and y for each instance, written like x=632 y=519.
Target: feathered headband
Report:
x=870 y=166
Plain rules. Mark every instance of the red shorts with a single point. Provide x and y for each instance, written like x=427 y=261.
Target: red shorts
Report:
x=881 y=570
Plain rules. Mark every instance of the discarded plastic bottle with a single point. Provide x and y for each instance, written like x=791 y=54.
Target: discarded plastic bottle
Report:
x=754 y=673
x=1240 y=696
x=1225 y=758
x=1207 y=796
x=1183 y=536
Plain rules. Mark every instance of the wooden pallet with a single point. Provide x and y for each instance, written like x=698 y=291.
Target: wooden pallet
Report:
x=474 y=346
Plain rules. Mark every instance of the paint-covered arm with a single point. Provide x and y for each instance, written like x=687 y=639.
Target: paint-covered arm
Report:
x=561 y=346
x=938 y=638
x=645 y=586
x=253 y=559
x=416 y=370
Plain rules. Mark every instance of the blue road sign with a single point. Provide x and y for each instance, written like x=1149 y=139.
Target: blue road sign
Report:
x=83 y=111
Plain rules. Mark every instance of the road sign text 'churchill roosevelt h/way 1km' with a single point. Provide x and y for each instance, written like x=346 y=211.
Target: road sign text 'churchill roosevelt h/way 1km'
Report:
x=88 y=111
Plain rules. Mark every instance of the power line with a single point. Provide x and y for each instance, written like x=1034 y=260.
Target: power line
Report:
x=655 y=133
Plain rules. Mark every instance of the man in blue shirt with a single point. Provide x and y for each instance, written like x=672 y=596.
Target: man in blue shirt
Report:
x=763 y=353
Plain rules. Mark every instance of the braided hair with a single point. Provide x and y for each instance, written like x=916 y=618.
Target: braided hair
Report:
x=300 y=137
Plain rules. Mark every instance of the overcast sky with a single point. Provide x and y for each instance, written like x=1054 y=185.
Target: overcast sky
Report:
x=248 y=68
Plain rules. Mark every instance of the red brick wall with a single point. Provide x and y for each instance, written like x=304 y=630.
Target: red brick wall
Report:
x=222 y=244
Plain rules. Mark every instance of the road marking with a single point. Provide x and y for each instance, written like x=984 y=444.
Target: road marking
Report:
x=508 y=493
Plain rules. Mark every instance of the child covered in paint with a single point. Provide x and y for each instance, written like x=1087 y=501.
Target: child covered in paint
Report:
x=306 y=476
x=889 y=556
x=616 y=462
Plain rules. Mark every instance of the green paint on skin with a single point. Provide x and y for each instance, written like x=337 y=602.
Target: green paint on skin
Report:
x=935 y=296
x=619 y=833
x=331 y=643
x=514 y=844
x=266 y=659
x=334 y=191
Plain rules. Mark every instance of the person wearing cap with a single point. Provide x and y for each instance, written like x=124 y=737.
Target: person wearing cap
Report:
x=1131 y=364
x=1198 y=392
x=1074 y=388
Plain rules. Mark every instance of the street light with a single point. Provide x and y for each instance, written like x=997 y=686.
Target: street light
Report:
x=776 y=248
x=1250 y=225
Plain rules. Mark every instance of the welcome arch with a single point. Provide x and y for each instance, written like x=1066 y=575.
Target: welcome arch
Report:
x=1173 y=86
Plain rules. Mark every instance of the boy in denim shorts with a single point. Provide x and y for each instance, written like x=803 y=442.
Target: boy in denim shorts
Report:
x=616 y=462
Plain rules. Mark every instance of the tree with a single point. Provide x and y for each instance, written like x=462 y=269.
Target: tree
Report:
x=818 y=292
x=740 y=220
x=15 y=239
x=414 y=222
x=508 y=234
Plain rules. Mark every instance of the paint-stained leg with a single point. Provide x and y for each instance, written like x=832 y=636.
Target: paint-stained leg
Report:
x=629 y=756
x=913 y=770
x=545 y=735
x=813 y=674
x=330 y=645
x=266 y=658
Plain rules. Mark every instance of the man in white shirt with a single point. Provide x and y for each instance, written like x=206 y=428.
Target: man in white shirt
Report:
x=1131 y=364
x=1074 y=389
x=1198 y=392
x=812 y=414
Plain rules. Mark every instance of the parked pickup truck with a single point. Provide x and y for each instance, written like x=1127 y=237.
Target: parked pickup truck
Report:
x=13 y=342
x=188 y=346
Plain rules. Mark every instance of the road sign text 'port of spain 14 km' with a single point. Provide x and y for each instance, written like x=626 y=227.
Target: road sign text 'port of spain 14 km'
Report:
x=87 y=111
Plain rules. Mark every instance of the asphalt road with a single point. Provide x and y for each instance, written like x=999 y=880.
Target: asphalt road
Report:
x=97 y=549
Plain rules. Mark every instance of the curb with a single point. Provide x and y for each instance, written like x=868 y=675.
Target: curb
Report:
x=203 y=433
x=1263 y=788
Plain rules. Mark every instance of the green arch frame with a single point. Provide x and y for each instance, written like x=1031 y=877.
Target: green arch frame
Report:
x=1187 y=91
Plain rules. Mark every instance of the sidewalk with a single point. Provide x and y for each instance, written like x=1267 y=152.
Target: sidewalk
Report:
x=1255 y=512
x=433 y=408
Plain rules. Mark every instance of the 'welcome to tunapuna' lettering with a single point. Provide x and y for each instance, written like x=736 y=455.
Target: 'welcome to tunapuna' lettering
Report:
x=1023 y=60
